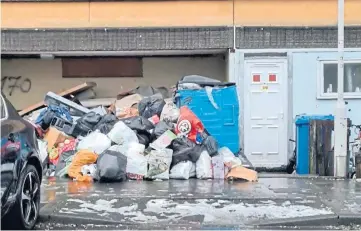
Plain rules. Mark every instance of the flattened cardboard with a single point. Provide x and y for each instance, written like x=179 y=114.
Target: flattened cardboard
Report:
x=53 y=136
x=241 y=172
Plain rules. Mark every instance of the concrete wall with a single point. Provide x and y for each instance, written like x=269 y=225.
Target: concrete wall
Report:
x=305 y=86
x=177 y=13
x=46 y=75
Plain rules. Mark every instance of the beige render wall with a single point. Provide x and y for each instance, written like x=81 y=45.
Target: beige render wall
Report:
x=46 y=75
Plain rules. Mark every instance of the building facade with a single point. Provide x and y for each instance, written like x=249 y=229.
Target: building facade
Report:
x=281 y=53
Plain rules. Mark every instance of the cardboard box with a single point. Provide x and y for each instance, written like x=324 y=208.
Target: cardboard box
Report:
x=53 y=136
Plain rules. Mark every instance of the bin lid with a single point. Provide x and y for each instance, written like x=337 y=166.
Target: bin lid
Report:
x=305 y=119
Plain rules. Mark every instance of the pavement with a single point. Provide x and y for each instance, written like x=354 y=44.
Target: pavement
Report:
x=275 y=202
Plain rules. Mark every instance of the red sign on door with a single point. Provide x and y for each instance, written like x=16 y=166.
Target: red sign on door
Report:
x=272 y=78
x=256 y=78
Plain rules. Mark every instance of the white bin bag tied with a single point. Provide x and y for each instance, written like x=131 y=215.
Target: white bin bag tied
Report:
x=122 y=134
x=96 y=142
x=183 y=170
x=204 y=166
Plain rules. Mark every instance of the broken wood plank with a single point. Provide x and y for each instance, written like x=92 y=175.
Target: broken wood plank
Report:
x=312 y=148
x=324 y=145
x=72 y=91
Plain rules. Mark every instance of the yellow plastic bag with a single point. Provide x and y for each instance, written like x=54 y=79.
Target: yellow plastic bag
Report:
x=81 y=158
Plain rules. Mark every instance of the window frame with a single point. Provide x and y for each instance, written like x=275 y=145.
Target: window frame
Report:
x=320 y=81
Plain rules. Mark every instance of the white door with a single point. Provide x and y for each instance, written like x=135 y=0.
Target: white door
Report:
x=265 y=112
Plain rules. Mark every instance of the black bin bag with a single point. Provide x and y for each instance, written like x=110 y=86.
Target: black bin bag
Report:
x=184 y=149
x=111 y=167
x=86 y=123
x=161 y=128
x=211 y=145
x=106 y=123
x=151 y=106
x=139 y=124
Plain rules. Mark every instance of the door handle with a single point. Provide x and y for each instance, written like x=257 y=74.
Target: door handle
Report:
x=281 y=115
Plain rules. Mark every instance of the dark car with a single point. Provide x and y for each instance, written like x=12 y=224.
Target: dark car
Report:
x=21 y=170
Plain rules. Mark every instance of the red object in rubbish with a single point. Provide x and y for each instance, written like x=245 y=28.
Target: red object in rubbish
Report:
x=67 y=145
x=154 y=119
x=189 y=124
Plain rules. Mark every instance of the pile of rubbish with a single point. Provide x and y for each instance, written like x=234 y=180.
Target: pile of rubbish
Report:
x=141 y=135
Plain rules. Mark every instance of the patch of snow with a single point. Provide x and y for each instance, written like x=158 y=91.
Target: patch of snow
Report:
x=231 y=212
x=213 y=211
x=103 y=206
x=66 y=212
x=268 y=202
x=286 y=203
x=216 y=204
x=104 y=214
x=306 y=201
x=83 y=210
x=94 y=195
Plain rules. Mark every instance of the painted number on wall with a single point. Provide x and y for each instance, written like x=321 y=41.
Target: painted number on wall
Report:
x=15 y=82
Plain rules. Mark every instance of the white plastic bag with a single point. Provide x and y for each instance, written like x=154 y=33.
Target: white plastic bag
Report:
x=204 y=166
x=137 y=165
x=181 y=170
x=43 y=148
x=170 y=112
x=159 y=164
x=120 y=148
x=218 y=167
x=122 y=134
x=229 y=158
x=96 y=142
x=135 y=148
x=193 y=172
x=89 y=170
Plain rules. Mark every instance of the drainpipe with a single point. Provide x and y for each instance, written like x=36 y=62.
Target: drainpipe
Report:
x=340 y=124
x=234 y=28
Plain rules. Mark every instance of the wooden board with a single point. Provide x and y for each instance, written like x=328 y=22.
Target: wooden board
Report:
x=72 y=91
x=320 y=146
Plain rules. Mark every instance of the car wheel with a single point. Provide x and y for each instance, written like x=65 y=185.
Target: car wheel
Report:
x=25 y=211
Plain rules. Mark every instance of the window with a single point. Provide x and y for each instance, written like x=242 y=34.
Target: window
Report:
x=328 y=79
x=102 y=67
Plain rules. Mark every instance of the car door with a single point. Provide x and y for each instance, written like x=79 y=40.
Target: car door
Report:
x=12 y=149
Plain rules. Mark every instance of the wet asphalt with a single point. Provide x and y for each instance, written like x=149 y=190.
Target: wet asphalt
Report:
x=275 y=202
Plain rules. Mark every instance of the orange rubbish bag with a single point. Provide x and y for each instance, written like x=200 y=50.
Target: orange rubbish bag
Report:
x=81 y=158
x=189 y=124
